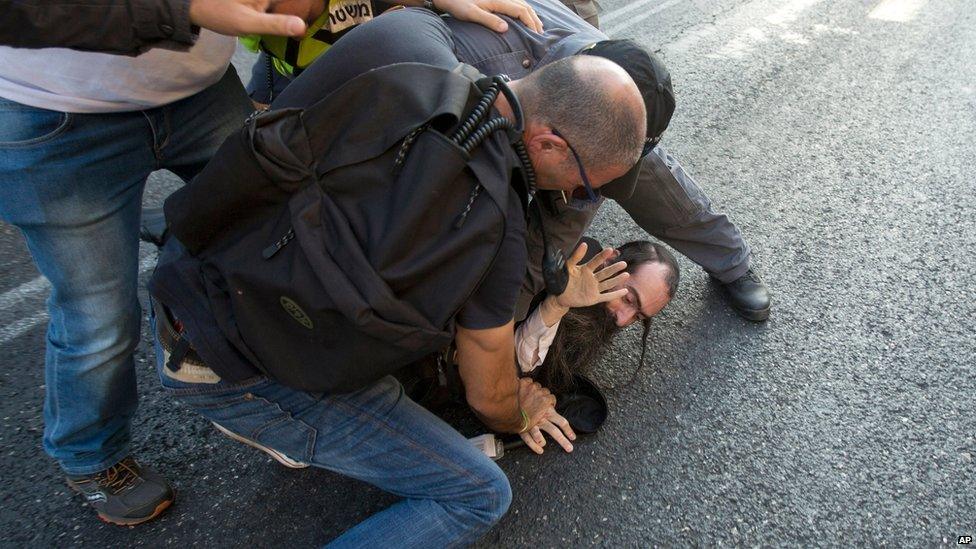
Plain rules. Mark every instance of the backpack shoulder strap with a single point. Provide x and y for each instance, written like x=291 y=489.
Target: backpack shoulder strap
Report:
x=278 y=152
x=390 y=102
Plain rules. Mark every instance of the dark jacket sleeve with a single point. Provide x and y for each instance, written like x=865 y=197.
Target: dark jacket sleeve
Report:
x=127 y=27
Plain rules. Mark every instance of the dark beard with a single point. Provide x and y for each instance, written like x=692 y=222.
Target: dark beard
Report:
x=583 y=335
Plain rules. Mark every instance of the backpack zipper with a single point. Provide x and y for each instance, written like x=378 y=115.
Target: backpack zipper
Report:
x=269 y=252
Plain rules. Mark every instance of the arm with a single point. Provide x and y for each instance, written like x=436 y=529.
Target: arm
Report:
x=486 y=365
x=131 y=26
x=534 y=337
x=589 y=284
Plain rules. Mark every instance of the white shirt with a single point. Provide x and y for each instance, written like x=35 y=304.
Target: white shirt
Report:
x=532 y=341
x=66 y=80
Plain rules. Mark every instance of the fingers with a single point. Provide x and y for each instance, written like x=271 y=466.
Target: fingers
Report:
x=557 y=435
x=563 y=424
x=556 y=426
x=534 y=444
x=610 y=296
x=516 y=9
x=578 y=254
x=487 y=19
x=531 y=19
x=539 y=28
x=614 y=282
x=599 y=259
x=253 y=22
x=610 y=270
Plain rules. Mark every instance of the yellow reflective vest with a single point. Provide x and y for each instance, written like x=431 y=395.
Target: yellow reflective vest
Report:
x=289 y=54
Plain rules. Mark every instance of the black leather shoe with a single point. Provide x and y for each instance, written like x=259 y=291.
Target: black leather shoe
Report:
x=153 y=229
x=748 y=296
x=126 y=493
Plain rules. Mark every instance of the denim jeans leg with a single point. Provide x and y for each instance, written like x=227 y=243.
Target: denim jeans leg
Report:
x=669 y=204
x=196 y=126
x=452 y=492
x=73 y=185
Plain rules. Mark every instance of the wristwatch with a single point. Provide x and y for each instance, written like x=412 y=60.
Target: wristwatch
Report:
x=429 y=4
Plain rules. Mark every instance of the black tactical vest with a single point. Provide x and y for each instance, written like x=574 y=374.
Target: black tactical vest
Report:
x=329 y=246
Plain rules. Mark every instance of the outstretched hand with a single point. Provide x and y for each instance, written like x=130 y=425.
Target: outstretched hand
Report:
x=483 y=12
x=237 y=17
x=591 y=283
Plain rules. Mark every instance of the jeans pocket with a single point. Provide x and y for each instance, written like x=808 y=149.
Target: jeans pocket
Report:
x=22 y=126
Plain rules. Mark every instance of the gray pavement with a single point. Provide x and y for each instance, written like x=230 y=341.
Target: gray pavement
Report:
x=838 y=135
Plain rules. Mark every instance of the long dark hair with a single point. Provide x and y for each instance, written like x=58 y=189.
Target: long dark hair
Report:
x=638 y=252
x=585 y=332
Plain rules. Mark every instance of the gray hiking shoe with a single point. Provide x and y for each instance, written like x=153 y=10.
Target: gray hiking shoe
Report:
x=126 y=493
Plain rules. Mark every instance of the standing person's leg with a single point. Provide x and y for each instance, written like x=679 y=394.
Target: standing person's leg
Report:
x=196 y=126
x=73 y=185
x=668 y=204
x=588 y=10
x=452 y=493
x=189 y=133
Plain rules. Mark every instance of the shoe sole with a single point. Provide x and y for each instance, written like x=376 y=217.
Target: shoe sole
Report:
x=278 y=456
x=754 y=315
x=132 y=522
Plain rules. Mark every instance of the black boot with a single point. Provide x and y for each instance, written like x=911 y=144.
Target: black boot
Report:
x=748 y=296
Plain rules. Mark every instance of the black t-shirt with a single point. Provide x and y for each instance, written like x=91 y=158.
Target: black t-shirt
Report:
x=493 y=303
x=415 y=35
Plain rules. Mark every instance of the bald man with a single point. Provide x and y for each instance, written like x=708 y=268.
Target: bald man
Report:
x=452 y=493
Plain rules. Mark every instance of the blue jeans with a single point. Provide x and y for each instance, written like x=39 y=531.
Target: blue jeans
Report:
x=452 y=493
x=72 y=183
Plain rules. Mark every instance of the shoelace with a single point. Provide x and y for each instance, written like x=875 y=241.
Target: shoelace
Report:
x=750 y=276
x=119 y=476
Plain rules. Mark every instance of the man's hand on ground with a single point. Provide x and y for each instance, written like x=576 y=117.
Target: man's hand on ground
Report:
x=535 y=400
x=483 y=12
x=556 y=426
x=539 y=405
x=237 y=17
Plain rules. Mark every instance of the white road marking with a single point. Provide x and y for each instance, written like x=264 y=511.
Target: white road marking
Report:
x=900 y=11
x=37 y=289
x=613 y=29
x=747 y=29
x=622 y=11
x=24 y=292
x=790 y=11
x=14 y=330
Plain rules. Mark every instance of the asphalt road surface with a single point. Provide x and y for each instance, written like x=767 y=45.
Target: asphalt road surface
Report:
x=838 y=134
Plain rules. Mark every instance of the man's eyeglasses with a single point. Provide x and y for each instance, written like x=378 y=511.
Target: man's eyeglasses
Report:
x=591 y=195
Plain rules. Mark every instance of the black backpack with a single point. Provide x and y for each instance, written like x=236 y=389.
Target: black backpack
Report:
x=329 y=246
